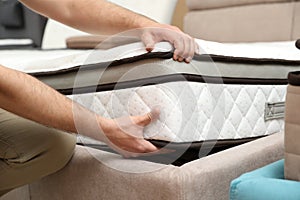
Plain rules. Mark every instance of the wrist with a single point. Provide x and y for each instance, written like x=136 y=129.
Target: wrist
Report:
x=146 y=22
x=106 y=126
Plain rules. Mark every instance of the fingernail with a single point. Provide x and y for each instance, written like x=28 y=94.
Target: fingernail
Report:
x=155 y=112
x=188 y=60
x=149 y=49
x=149 y=115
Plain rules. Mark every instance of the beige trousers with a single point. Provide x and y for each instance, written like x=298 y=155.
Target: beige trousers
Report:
x=29 y=151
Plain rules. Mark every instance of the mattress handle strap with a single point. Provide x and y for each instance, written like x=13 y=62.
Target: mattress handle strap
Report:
x=274 y=110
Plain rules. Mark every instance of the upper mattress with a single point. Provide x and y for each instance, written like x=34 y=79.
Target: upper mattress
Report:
x=252 y=63
x=32 y=61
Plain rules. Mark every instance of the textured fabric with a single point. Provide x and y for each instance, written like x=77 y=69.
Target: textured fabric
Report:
x=87 y=178
x=41 y=61
x=29 y=151
x=296 y=22
x=21 y=193
x=266 y=183
x=252 y=23
x=210 y=4
x=292 y=136
x=205 y=116
x=210 y=177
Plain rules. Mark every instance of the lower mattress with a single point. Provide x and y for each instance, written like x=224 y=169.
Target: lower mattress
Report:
x=229 y=94
x=194 y=111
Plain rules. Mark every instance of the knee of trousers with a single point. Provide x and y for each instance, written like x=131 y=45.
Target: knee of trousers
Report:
x=37 y=151
x=58 y=151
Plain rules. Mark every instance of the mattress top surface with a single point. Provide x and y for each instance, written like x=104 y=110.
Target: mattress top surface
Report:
x=31 y=61
x=8 y=42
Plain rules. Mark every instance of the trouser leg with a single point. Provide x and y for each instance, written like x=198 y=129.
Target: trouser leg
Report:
x=3 y=192
x=29 y=151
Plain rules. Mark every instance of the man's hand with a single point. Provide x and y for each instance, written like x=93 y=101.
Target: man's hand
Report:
x=185 y=46
x=125 y=135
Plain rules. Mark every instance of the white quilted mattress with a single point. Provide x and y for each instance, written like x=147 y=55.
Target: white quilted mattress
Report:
x=194 y=111
x=204 y=100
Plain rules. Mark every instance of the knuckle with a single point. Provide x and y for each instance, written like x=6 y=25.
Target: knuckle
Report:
x=179 y=51
x=180 y=41
x=186 y=54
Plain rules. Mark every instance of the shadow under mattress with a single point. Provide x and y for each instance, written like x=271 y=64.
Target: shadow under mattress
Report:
x=181 y=152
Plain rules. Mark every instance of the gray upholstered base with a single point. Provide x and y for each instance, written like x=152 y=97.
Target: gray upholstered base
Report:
x=85 y=178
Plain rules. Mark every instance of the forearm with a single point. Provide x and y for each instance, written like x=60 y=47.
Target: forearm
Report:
x=93 y=16
x=28 y=97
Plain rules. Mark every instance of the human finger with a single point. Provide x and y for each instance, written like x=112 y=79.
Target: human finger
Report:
x=180 y=59
x=149 y=117
x=148 y=146
x=197 y=48
x=179 y=49
x=149 y=41
x=187 y=51
x=141 y=148
x=192 y=51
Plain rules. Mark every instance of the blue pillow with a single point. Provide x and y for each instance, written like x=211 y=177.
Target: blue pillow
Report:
x=266 y=183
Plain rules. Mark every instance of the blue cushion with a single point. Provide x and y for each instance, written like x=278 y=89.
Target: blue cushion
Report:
x=266 y=183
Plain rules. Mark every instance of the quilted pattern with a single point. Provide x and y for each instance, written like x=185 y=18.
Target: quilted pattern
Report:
x=193 y=111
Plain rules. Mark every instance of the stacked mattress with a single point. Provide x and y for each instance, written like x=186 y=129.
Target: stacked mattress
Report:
x=228 y=94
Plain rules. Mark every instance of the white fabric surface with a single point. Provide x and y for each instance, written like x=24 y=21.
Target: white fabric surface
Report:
x=7 y=42
x=192 y=111
x=36 y=61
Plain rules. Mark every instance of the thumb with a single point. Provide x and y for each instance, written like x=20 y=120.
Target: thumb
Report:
x=146 y=119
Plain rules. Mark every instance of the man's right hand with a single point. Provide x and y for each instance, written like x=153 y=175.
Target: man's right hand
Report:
x=185 y=46
x=125 y=134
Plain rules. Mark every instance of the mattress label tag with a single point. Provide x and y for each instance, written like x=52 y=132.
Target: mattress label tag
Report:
x=274 y=110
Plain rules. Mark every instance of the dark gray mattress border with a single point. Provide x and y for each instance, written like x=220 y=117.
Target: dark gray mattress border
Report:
x=171 y=78
x=168 y=55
